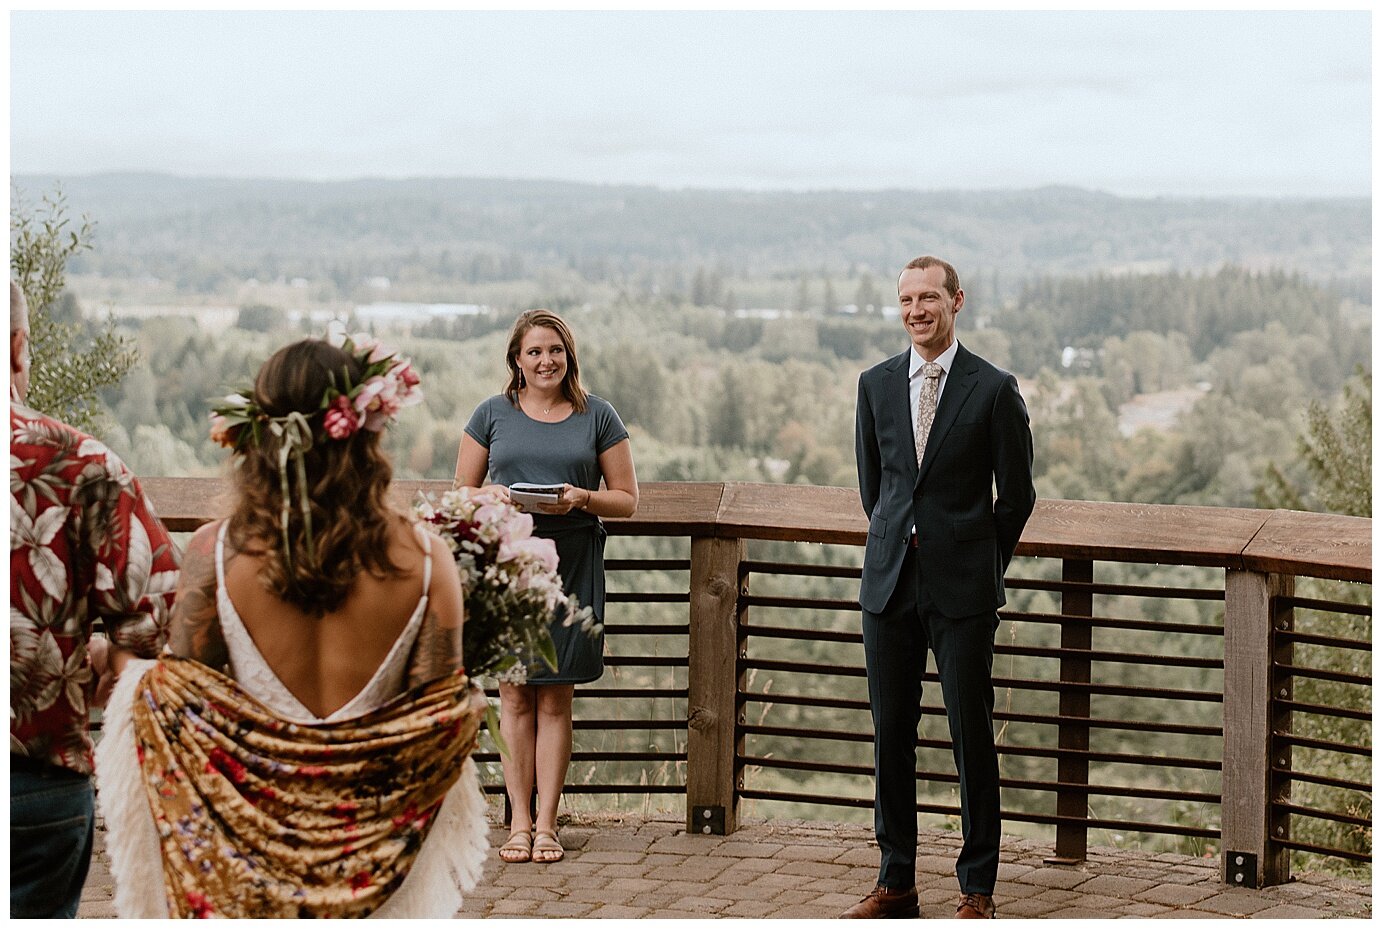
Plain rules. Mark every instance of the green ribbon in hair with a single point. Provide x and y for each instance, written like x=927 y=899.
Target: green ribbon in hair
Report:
x=295 y=439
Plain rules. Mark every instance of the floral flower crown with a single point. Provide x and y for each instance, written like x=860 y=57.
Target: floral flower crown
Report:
x=389 y=384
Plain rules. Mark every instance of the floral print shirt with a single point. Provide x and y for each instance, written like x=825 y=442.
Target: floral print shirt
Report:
x=85 y=545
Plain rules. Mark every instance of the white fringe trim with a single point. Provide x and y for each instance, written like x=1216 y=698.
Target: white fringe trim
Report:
x=449 y=863
x=136 y=859
x=447 y=866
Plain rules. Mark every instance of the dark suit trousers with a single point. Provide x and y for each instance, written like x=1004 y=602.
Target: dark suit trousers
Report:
x=895 y=646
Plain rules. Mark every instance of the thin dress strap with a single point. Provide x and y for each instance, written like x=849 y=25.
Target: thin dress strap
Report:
x=220 y=555
x=426 y=538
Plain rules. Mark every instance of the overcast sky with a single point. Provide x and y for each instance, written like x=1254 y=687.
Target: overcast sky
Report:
x=1179 y=103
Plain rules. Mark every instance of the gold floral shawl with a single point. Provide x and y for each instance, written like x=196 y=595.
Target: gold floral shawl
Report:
x=259 y=816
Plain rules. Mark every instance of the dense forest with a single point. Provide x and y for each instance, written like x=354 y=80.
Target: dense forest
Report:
x=711 y=396
x=1170 y=351
x=453 y=239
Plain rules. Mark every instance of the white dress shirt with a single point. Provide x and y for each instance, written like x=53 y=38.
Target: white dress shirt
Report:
x=946 y=359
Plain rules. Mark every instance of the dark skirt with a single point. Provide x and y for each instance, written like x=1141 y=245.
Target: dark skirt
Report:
x=581 y=564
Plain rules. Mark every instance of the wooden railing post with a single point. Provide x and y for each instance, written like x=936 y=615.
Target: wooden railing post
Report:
x=1072 y=770
x=712 y=703
x=1252 y=688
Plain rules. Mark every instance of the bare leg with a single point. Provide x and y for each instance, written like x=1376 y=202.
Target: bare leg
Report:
x=553 y=750
x=518 y=726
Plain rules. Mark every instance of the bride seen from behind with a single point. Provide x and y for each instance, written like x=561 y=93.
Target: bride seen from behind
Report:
x=306 y=743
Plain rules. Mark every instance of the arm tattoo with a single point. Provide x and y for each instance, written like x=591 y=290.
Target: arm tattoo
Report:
x=436 y=653
x=195 y=631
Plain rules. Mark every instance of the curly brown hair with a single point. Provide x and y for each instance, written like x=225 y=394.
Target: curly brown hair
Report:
x=571 y=387
x=348 y=484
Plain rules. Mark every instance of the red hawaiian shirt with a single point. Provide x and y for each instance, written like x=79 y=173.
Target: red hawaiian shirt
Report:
x=84 y=545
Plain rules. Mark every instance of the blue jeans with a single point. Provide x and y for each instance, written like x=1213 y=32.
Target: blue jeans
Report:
x=52 y=824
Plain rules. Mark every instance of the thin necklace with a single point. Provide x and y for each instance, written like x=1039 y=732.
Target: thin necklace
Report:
x=549 y=409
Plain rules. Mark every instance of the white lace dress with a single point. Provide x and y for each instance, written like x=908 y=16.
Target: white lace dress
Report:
x=449 y=862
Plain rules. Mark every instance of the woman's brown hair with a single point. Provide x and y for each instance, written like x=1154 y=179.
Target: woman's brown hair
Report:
x=571 y=387
x=347 y=485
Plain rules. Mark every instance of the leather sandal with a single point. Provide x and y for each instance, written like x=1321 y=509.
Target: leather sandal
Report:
x=518 y=849
x=546 y=843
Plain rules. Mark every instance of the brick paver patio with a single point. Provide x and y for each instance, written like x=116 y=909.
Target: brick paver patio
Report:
x=649 y=867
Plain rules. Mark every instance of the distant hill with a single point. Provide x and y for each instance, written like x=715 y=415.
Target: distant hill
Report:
x=163 y=225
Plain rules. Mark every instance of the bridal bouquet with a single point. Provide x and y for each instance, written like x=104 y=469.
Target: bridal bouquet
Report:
x=512 y=590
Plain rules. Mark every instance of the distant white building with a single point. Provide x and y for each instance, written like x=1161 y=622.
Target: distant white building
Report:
x=1080 y=358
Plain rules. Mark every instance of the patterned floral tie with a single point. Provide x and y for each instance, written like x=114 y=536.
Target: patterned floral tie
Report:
x=926 y=404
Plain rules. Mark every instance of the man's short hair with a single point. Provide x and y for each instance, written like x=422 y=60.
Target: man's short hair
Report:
x=952 y=280
x=19 y=309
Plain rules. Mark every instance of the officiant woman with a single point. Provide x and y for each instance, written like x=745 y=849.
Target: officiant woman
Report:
x=544 y=428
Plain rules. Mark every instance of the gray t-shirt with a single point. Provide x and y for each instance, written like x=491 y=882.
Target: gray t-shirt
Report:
x=567 y=452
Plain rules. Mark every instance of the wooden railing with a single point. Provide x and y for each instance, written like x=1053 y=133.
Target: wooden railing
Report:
x=745 y=616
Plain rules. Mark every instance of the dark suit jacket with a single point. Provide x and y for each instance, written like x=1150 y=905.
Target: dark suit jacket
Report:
x=980 y=441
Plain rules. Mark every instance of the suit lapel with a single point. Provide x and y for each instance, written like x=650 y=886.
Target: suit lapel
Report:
x=895 y=390
x=959 y=383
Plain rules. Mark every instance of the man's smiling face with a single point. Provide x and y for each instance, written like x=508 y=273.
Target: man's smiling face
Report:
x=928 y=309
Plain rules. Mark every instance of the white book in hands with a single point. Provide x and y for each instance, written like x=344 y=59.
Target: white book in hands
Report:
x=535 y=494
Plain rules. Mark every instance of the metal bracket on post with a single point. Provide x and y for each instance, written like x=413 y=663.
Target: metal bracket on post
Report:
x=1240 y=869
x=709 y=820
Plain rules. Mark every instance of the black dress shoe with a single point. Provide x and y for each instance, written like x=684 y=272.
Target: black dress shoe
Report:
x=885 y=903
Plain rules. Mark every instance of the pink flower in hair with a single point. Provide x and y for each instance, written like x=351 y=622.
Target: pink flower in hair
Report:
x=367 y=397
x=378 y=401
x=341 y=421
x=220 y=431
x=407 y=380
x=378 y=351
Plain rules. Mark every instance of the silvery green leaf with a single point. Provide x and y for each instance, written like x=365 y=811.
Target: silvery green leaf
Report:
x=492 y=725
x=547 y=651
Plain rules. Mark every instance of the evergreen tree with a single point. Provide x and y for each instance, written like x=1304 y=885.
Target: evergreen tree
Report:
x=866 y=296
x=258 y=317
x=828 y=302
x=1336 y=449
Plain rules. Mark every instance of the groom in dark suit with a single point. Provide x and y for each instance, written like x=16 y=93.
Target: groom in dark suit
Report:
x=944 y=451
